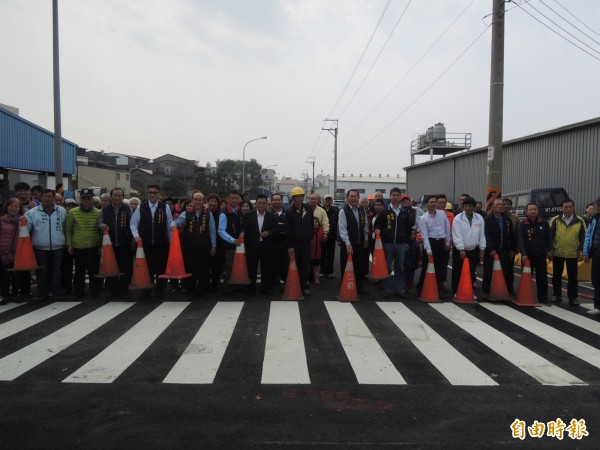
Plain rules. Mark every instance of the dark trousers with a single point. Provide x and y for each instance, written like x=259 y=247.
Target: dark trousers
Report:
x=506 y=262
x=457 y=263
x=328 y=256
x=303 y=262
x=229 y=255
x=411 y=262
x=572 y=285
x=217 y=262
x=539 y=266
x=262 y=253
x=438 y=250
x=10 y=281
x=358 y=261
x=86 y=259
x=596 y=278
x=281 y=262
x=197 y=262
x=120 y=285
x=48 y=276
x=67 y=272
x=156 y=257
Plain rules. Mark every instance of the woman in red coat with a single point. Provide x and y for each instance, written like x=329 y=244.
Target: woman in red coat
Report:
x=9 y=232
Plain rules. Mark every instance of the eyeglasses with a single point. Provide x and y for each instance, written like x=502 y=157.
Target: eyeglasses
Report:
x=152 y=192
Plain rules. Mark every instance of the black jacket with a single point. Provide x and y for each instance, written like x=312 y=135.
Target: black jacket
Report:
x=395 y=229
x=252 y=233
x=535 y=238
x=497 y=239
x=299 y=226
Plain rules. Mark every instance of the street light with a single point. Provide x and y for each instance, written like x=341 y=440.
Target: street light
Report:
x=244 y=161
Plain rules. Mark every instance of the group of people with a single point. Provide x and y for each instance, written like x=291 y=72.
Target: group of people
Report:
x=67 y=235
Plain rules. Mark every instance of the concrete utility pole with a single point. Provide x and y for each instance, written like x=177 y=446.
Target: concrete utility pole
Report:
x=58 y=166
x=494 y=167
x=312 y=191
x=334 y=133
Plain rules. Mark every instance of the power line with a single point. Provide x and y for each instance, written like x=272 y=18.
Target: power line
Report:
x=408 y=72
x=376 y=59
x=577 y=18
x=554 y=31
x=420 y=95
x=360 y=59
x=566 y=31
x=574 y=26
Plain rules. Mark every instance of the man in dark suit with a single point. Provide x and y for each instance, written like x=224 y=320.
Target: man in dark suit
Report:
x=258 y=227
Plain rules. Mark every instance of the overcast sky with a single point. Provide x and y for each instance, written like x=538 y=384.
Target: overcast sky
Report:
x=199 y=78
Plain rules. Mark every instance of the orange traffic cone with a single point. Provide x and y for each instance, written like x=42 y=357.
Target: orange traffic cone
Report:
x=429 y=292
x=239 y=269
x=24 y=256
x=175 y=267
x=464 y=293
x=498 y=291
x=348 y=292
x=525 y=294
x=379 y=270
x=108 y=260
x=141 y=275
x=292 y=290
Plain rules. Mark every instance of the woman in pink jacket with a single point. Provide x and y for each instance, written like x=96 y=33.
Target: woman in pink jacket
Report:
x=9 y=231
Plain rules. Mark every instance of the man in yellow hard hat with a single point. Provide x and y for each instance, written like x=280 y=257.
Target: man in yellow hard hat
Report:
x=299 y=235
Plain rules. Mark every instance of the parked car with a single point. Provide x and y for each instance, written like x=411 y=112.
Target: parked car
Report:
x=549 y=201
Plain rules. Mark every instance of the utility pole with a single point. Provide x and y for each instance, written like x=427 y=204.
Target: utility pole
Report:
x=58 y=166
x=494 y=167
x=334 y=133
x=312 y=191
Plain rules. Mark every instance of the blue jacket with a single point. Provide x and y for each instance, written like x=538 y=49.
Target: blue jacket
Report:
x=47 y=231
x=589 y=236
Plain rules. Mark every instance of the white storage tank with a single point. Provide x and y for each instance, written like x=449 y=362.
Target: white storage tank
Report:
x=439 y=132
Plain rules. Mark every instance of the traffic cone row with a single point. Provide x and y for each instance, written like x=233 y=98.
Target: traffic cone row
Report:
x=379 y=270
x=24 y=257
x=108 y=260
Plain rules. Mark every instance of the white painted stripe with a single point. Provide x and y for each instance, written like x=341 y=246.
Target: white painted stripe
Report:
x=19 y=362
x=449 y=361
x=583 y=321
x=529 y=362
x=9 y=306
x=552 y=335
x=201 y=359
x=28 y=320
x=285 y=355
x=369 y=362
x=117 y=357
x=587 y=305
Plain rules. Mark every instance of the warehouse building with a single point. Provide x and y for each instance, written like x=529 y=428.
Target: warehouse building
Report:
x=567 y=157
x=27 y=154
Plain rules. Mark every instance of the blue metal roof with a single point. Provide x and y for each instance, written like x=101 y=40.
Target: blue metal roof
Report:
x=25 y=145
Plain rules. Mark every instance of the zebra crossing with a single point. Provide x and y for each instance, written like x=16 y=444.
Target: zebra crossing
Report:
x=279 y=343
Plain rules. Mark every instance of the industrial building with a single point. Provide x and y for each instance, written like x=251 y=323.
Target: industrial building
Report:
x=567 y=157
x=27 y=154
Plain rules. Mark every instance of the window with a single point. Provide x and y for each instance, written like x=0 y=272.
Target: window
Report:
x=361 y=191
x=127 y=176
x=380 y=190
x=118 y=176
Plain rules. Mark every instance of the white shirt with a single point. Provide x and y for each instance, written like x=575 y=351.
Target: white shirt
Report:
x=261 y=221
x=434 y=226
x=468 y=235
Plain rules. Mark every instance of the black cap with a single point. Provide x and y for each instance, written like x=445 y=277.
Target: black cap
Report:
x=86 y=191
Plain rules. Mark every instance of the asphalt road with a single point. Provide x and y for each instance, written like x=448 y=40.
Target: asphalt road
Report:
x=240 y=372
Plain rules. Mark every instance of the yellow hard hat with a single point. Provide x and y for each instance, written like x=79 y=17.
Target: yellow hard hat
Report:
x=297 y=191
x=449 y=206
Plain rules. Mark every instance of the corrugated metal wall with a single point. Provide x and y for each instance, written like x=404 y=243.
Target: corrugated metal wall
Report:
x=569 y=158
x=24 y=145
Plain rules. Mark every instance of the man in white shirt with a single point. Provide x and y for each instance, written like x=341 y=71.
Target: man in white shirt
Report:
x=435 y=233
x=468 y=235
